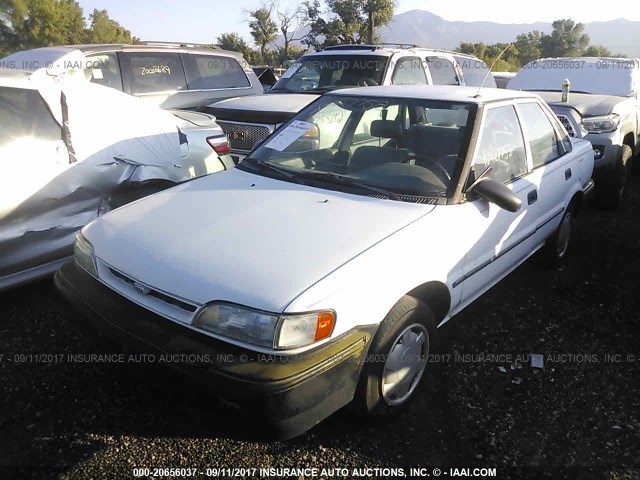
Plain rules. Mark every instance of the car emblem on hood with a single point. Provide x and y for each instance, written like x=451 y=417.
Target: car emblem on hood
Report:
x=141 y=288
x=236 y=135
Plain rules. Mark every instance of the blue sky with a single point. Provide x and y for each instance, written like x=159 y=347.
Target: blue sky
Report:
x=202 y=21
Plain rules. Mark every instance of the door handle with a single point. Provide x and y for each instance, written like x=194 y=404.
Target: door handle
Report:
x=567 y=174
x=532 y=197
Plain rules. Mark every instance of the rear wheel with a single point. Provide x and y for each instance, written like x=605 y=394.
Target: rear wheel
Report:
x=556 y=247
x=397 y=359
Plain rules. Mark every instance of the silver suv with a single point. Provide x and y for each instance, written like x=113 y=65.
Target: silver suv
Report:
x=247 y=121
x=173 y=75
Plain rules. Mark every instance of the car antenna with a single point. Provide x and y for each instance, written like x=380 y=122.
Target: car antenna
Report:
x=490 y=70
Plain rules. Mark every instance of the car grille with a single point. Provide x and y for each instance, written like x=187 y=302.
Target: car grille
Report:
x=567 y=124
x=155 y=293
x=242 y=136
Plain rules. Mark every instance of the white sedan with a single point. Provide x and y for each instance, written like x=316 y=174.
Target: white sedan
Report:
x=309 y=277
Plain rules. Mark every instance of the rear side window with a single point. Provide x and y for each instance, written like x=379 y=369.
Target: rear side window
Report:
x=210 y=72
x=475 y=72
x=23 y=113
x=541 y=134
x=102 y=68
x=154 y=72
x=442 y=71
x=409 y=71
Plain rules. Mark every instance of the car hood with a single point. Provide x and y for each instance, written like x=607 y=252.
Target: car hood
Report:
x=239 y=237
x=584 y=103
x=268 y=108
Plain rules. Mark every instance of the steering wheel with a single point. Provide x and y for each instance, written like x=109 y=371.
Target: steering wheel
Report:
x=439 y=170
x=367 y=82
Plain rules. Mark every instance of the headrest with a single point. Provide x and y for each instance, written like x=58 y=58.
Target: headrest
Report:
x=385 y=129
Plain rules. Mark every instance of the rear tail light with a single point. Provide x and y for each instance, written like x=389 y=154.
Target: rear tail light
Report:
x=220 y=144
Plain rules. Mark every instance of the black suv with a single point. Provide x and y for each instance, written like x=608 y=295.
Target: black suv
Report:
x=173 y=75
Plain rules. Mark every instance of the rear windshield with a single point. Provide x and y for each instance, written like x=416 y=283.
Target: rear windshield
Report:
x=210 y=72
x=23 y=113
x=320 y=73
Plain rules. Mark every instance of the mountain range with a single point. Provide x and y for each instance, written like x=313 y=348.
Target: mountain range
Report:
x=423 y=28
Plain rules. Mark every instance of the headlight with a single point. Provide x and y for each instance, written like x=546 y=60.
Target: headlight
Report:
x=83 y=251
x=601 y=123
x=265 y=329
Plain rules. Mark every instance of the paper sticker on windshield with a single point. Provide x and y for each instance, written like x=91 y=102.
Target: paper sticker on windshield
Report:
x=289 y=135
x=97 y=73
x=291 y=70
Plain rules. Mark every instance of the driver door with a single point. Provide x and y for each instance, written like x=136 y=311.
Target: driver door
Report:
x=501 y=239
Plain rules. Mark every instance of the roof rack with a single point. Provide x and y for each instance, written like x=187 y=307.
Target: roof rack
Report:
x=179 y=44
x=377 y=46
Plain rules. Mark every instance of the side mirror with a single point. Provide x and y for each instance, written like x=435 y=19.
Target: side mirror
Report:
x=498 y=193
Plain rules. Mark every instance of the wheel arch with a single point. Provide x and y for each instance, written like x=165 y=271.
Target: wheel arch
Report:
x=436 y=295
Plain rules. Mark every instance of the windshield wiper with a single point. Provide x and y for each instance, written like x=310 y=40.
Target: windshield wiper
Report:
x=264 y=165
x=349 y=182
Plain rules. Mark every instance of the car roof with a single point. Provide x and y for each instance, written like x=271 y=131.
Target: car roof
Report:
x=583 y=59
x=179 y=47
x=451 y=93
x=13 y=78
x=384 y=50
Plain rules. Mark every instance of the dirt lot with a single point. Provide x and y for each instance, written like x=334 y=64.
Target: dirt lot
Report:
x=97 y=420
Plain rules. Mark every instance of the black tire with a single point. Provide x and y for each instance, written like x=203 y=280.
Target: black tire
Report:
x=557 y=246
x=411 y=317
x=610 y=189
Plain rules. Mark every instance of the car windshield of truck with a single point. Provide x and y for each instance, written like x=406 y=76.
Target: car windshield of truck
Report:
x=595 y=76
x=396 y=148
x=321 y=73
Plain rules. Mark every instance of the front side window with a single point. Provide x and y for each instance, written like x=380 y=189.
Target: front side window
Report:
x=210 y=72
x=543 y=141
x=321 y=73
x=154 y=72
x=25 y=115
x=370 y=145
x=501 y=146
x=103 y=69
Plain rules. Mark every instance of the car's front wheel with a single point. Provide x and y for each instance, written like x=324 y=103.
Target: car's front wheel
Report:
x=610 y=189
x=397 y=358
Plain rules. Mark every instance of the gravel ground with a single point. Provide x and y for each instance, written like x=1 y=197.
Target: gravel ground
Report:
x=482 y=405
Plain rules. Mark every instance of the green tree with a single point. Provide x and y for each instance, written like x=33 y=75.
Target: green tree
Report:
x=263 y=29
x=233 y=41
x=597 y=51
x=566 y=40
x=27 y=24
x=104 y=29
x=528 y=46
x=346 y=21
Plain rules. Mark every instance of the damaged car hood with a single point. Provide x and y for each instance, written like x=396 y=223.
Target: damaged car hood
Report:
x=243 y=238
x=585 y=104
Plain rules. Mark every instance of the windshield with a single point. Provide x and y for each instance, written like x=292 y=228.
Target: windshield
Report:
x=599 y=77
x=320 y=73
x=391 y=147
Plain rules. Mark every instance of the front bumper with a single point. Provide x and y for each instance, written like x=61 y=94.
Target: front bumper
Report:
x=606 y=148
x=291 y=393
